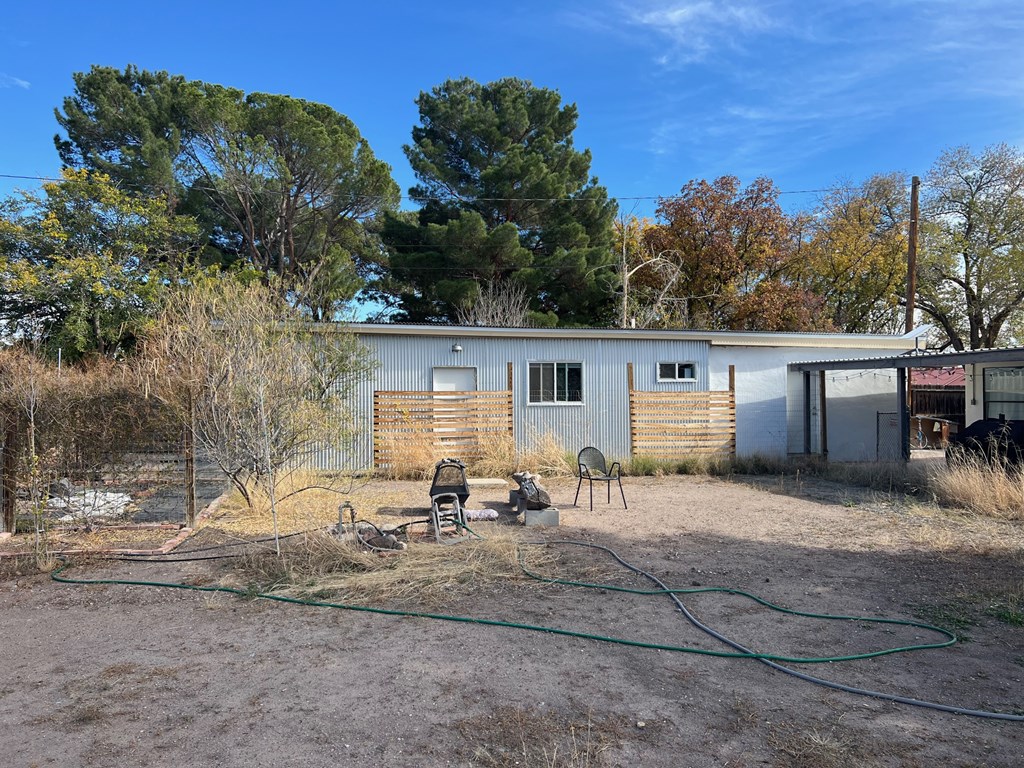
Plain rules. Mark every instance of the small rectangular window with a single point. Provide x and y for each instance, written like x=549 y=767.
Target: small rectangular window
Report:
x=556 y=382
x=677 y=371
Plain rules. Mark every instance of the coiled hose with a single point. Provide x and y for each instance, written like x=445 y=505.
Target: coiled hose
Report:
x=739 y=651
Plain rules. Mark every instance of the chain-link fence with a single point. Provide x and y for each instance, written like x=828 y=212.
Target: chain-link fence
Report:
x=87 y=447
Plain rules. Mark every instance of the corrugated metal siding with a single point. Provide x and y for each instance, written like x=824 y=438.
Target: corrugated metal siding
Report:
x=406 y=363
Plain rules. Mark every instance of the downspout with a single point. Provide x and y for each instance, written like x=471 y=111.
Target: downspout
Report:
x=807 y=412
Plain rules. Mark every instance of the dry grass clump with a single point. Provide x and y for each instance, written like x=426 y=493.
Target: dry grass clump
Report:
x=515 y=736
x=983 y=488
x=493 y=455
x=412 y=457
x=305 y=500
x=499 y=457
x=322 y=566
x=548 y=457
x=815 y=748
x=886 y=476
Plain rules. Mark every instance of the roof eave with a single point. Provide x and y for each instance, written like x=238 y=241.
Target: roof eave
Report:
x=718 y=338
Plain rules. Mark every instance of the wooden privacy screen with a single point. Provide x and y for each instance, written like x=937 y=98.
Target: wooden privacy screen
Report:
x=672 y=425
x=448 y=423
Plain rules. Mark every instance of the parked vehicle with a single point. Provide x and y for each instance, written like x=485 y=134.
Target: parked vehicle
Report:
x=996 y=441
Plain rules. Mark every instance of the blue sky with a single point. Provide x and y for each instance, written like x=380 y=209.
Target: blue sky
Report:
x=807 y=93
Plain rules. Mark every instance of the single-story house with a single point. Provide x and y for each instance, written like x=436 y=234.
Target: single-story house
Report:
x=662 y=393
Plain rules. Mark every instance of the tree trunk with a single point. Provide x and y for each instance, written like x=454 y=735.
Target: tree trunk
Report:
x=8 y=476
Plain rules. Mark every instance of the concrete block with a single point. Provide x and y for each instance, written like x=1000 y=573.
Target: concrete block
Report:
x=547 y=516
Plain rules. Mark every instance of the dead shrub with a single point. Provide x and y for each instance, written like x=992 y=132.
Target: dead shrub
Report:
x=90 y=423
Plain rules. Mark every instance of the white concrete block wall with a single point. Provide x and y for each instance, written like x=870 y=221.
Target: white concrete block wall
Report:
x=769 y=401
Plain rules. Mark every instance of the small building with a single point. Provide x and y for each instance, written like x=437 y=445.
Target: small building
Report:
x=936 y=405
x=661 y=393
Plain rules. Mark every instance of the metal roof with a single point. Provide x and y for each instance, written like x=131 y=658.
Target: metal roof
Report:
x=719 y=338
x=915 y=359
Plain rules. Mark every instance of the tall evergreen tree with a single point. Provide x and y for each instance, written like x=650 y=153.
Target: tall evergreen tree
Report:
x=131 y=126
x=280 y=184
x=504 y=196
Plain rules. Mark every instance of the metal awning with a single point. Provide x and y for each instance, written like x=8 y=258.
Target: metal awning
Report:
x=914 y=360
x=901 y=363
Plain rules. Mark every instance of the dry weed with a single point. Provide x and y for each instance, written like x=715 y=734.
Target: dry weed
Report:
x=815 y=748
x=307 y=500
x=547 y=457
x=986 y=489
x=412 y=457
x=494 y=455
x=326 y=567
x=516 y=736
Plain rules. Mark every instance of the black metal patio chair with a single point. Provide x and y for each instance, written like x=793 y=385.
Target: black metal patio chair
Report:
x=593 y=468
x=448 y=493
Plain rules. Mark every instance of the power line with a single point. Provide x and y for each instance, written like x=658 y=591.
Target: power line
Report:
x=418 y=198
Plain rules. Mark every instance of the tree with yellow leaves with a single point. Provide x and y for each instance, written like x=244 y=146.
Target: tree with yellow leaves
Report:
x=83 y=265
x=854 y=254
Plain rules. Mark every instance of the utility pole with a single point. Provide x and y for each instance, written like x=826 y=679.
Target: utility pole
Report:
x=623 y=267
x=915 y=185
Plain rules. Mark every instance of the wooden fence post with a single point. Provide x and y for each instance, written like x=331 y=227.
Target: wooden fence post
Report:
x=511 y=407
x=190 y=467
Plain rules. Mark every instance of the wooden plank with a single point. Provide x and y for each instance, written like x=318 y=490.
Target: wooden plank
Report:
x=451 y=421
x=668 y=425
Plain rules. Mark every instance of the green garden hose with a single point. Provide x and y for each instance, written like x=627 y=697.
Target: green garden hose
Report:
x=739 y=652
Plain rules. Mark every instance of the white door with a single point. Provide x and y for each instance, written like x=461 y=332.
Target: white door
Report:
x=449 y=411
x=455 y=379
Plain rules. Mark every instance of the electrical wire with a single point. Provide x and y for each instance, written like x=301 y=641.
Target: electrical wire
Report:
x=451 y=198
x=212 y=547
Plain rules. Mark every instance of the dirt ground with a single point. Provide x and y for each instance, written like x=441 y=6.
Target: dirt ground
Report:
x=141 y=676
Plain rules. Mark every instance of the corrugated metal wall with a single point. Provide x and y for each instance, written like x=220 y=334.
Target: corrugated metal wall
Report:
x=406 y=363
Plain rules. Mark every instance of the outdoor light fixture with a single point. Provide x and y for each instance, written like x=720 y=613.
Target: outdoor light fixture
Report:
x=456 y=347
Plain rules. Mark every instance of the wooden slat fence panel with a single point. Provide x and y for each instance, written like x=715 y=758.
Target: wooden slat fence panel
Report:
x=450 y=422
x=671 y=425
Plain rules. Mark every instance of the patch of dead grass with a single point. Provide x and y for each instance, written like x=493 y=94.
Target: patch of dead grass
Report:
x=982 y=488
x=309 y=501
x=495 y=455
x=322 y=566
x=833 y=746
x=534 y=738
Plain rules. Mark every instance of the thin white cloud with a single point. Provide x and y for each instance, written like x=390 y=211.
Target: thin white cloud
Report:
x=10 y=81
x=695 y=29
x=794 y=78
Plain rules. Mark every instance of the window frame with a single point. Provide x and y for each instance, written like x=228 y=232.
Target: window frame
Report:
x=541 y=364
x=677 y=379
x=989 y=397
